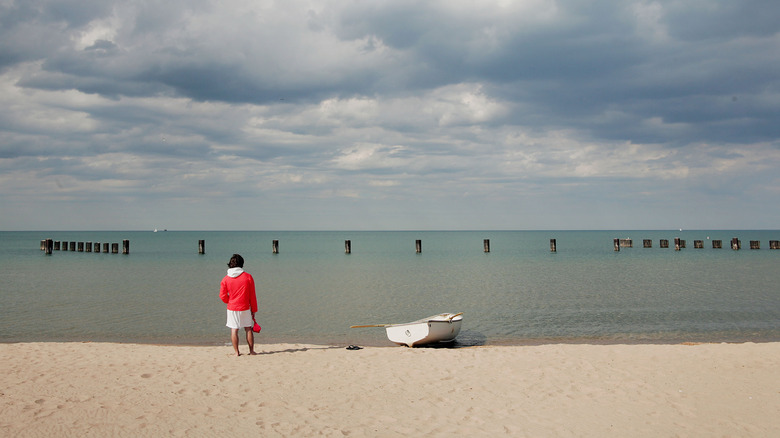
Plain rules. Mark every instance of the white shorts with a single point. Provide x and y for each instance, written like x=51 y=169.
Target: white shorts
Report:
x=239 y=319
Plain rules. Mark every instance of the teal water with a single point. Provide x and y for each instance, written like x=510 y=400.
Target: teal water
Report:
x=311 y=292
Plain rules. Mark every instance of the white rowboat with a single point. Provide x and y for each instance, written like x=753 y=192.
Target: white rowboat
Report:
x=437 y=328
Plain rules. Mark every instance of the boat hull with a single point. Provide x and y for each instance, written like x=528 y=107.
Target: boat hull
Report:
x=437 y=328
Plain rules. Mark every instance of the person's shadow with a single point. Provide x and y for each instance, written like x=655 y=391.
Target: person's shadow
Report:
x=296 y=350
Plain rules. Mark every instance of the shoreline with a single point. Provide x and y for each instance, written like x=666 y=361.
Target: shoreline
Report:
x=384 y=343
x=288 y=389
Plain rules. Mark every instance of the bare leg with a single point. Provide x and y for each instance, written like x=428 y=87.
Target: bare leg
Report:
x=250 y=339
x=234 y=339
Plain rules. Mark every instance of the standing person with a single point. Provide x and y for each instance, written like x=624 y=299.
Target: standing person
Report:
x=237 y=290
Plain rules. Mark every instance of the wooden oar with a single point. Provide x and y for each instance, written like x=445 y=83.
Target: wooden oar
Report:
x=455 y=315
x=387 y=325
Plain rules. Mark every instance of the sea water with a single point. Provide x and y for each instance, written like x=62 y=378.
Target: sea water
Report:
x=311 y=291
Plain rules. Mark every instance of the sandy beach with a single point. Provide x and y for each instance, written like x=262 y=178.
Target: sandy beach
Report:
x=102 y=389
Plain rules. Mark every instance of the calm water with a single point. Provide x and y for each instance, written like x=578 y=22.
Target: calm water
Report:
x=311 y=292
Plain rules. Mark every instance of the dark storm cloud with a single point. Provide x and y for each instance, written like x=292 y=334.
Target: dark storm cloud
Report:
x=584 y=59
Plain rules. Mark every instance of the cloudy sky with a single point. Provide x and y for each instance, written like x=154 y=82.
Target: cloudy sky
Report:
x=396 y=114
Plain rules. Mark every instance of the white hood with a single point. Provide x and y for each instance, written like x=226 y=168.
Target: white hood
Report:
x=235 y=272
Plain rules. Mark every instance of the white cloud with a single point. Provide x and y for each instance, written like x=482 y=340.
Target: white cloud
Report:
x=371 y=156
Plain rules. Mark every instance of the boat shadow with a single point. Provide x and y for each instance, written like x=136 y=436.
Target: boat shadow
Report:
x=465 y=339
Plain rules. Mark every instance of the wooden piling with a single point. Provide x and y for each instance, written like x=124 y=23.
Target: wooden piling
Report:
x=486 y=245
x=676 y=243
x=88 y=247
x=97 y=247
x=125 y=246
x=43 y=245
x=348 y=247
x=418 y=246
x=774 y=244
x=663 y=243
x=755 y=244
x=275 y=246
x=105 y=247
x=114 y=248
x=736 y=245
x=698 y=244
x=626 y=243
x=201 y=246
x=717 y=244
x=647 y=243
x=72 y=246
x=553 y=245
x=81 y=246
x=616 y=243
x=57 y=245
x=48 y=246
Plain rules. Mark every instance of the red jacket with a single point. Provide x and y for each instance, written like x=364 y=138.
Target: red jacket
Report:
x=238 y=292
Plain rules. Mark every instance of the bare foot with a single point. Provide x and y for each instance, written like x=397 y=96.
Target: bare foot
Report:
x=252 y=353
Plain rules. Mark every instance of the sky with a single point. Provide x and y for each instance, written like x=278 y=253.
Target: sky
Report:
x=389 y=115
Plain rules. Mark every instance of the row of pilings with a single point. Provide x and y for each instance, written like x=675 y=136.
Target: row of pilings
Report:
x=618 y=243
x=48 y=246
x=679 y=244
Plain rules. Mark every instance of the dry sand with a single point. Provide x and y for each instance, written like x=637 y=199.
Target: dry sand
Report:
x=101 y=389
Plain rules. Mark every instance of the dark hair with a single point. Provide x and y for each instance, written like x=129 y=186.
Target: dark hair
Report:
x=236 y=261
